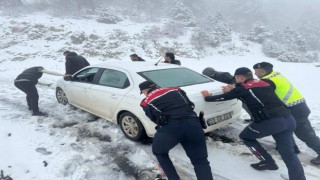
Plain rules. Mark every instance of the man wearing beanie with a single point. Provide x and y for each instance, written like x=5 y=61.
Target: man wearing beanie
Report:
x=293 y=99
x=270 y=116
x=225 y=77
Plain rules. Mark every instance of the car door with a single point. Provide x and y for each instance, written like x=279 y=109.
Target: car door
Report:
x=79 y=87
x=109 y=91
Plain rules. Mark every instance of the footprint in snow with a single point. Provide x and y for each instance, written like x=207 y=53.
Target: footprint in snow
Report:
x=43 y=151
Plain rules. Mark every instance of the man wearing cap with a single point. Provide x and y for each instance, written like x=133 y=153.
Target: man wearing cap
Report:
x=270 y=116
x=172 y=111
x=293 y=99
x=169 y=58
x=225 y=77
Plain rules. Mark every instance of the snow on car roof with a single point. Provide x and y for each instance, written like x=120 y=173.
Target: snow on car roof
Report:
x=136 y=66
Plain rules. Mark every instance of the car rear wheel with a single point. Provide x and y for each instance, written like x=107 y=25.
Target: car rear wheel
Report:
x=61 y=96
x=131 y=126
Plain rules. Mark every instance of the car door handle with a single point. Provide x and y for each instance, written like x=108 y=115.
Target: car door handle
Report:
x=114 y=96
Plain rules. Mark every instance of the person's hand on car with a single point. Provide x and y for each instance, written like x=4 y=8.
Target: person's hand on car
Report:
x=206 y=93
x=228 y=88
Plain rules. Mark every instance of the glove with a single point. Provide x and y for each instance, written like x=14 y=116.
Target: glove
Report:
x=210 y=72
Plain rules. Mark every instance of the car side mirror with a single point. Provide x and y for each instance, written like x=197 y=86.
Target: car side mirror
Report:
x=67 y=78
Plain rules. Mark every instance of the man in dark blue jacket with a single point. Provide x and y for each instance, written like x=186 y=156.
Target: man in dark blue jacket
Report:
x=270 y=116
x=176 y=121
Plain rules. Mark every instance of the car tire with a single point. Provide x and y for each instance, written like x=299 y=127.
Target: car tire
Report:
x=131 y=127
x=61 y=96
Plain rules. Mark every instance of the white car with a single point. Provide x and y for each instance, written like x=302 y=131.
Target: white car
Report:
x=111 y=91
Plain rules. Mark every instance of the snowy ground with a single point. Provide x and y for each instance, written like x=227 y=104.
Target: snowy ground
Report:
x=72 y=144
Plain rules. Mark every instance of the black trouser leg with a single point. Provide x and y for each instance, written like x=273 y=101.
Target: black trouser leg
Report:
x=195 y=146
x=285 y=149
x=191 y=136
x=281 y=129
x=250 y=135
x=32 y=93
x=163 y=142
x=304 y=130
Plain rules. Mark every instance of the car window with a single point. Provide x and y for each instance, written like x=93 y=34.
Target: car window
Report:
x=86 y=75
x=114 y=78
x=175 y=77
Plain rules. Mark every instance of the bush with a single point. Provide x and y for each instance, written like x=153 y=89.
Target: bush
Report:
x=78 y=38
x=272 y=49
x=311 y=56
x=108 y=18
x=293 y=40
x=173 y=30
x=153 y=33
x=290 y=56
x=259 y=33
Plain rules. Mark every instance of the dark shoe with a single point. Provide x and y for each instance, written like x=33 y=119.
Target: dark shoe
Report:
x=316 y=161
x=265 y=166
x=296 y=149
x=39 y=114
x=29 y=108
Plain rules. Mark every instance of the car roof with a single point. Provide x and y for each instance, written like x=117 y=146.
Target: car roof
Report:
x=136 y=66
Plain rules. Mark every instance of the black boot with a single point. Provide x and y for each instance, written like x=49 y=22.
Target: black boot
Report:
x=316 y=161
x=263 y=165
x=38 y=113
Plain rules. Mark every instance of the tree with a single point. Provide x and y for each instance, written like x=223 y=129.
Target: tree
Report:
x=182 y=14
x=259 y=33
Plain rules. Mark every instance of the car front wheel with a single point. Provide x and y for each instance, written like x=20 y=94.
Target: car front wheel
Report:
x=131 y=126
x=61 y=96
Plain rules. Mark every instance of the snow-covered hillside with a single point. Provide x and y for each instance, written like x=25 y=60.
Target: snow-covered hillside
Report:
x=72 y=144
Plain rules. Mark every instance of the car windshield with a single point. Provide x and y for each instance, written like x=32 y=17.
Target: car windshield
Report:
x=175 y=77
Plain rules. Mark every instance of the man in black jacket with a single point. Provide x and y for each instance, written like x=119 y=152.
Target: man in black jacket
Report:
x=176 y=121
x=225 y=77
x=294 y=100
x=74 y=62
x=170 y=58
x=270 y=116
x=26 y=82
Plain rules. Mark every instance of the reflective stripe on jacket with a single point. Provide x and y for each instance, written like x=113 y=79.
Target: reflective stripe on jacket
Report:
x=288 y=94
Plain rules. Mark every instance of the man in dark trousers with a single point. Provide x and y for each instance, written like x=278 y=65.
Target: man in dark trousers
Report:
x=226 y=77
x=176 y=121
x=270 y=116
x=74 y=62
x=135 y=57
x=169 y=58
x=293 y=99
x=26 y=82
